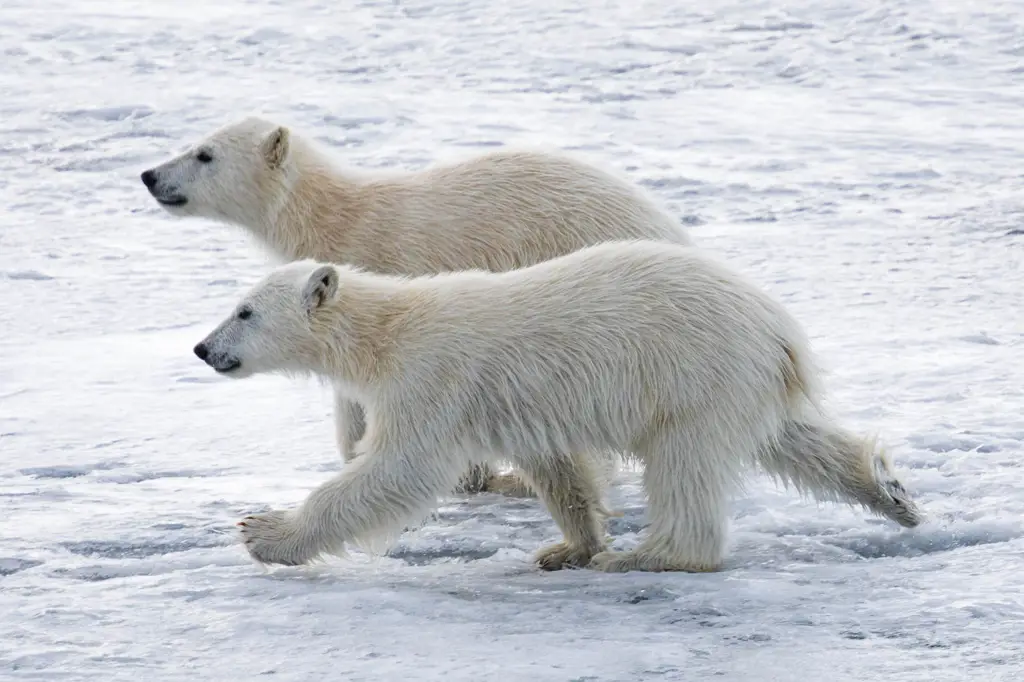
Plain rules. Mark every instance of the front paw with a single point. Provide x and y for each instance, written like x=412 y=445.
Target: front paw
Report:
x=274 y=538
x=509 y=485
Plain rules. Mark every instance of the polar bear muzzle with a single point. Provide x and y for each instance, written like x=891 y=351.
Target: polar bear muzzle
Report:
x=163 y=195
x=221 y=362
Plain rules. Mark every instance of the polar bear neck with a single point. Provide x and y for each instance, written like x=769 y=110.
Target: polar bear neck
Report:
x=315 y=212
x=358 y=331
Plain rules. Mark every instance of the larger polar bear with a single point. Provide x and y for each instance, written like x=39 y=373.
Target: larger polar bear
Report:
x=638 y=347
x=496 y=211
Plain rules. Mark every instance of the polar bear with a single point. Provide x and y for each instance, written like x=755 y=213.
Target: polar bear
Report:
x=645 y=348
x=495 y=211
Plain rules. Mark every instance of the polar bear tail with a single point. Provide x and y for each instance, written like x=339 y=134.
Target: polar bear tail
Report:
x=818 y=458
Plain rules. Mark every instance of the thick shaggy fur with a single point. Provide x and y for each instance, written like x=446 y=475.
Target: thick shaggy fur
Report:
x=643 y=348
x=496 y=212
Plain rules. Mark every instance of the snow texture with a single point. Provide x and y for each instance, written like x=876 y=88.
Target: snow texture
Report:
x=860 y=160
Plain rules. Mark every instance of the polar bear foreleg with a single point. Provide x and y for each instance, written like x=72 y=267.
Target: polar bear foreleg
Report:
x=349 y=424
x=371 y=500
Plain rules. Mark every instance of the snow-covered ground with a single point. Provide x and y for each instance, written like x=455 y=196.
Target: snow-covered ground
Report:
x=860 y=160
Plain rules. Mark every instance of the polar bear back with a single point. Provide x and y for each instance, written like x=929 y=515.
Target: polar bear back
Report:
x=609 y=335
x=497 y=211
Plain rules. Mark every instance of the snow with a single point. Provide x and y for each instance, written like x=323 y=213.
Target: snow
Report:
x=860 y=160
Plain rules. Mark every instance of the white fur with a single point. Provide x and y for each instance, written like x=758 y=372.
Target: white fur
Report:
x=643 y=348
x=497 y=211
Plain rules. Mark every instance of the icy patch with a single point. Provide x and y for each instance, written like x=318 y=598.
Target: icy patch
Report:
x=107 y=114
x=27 y=275
x=113 y=549
x=926 y=540
x=70 y=471
x=12 y=565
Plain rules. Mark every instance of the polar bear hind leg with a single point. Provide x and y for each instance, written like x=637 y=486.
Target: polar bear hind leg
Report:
x=688 y=474
x=831 y=464
x=568 y=487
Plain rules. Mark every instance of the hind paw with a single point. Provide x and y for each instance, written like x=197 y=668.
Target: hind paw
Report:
x=561 y=555
x=903 y=510
x=894 y=500
x=623 y=562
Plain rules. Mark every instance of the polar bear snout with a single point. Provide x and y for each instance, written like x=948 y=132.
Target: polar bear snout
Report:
x=165 y=196
x=225 y=364
x=220 y=362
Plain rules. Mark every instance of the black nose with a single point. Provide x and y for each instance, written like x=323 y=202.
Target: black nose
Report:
x=148 y=178
x=201 y=351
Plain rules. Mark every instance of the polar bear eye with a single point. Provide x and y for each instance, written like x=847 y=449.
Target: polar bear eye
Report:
x=244 y=314
x=204 y=157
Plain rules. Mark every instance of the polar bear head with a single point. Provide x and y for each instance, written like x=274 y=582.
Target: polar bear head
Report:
x=280 y=325
x=239 y=174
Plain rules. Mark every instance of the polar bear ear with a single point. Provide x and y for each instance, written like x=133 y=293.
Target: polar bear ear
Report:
x=321 y=287
x=275 y=146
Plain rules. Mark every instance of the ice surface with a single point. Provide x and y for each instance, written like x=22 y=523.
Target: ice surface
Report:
x=860 y=160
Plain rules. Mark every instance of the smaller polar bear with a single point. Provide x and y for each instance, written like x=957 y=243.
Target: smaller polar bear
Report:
x=496 y=211
x=637 y=347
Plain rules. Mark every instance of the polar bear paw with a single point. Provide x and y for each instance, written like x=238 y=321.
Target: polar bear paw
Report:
x=274 y=538
x=562 y=555
x=623 y=562
x=509 y=485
